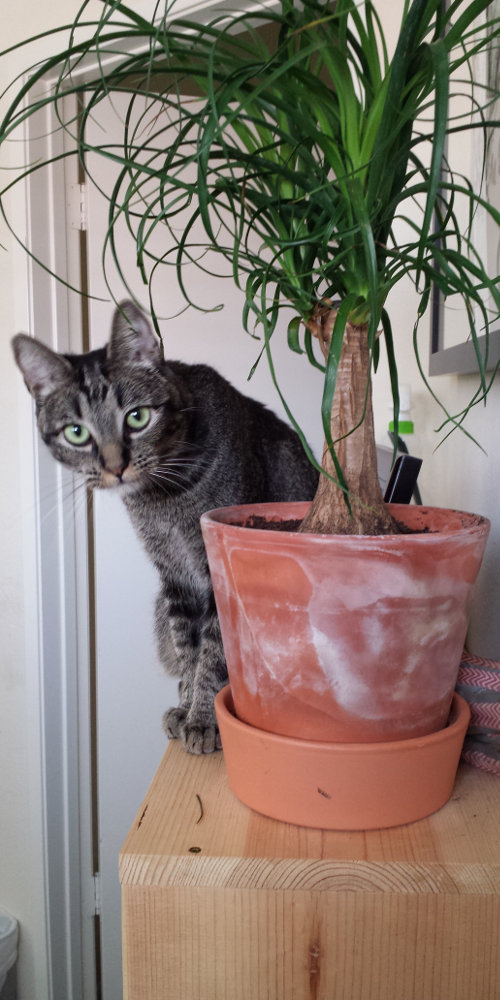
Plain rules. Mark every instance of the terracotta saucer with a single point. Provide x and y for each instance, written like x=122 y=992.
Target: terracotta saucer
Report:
x=341 y=786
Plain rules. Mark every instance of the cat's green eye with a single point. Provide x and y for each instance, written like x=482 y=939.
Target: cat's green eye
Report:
x=139 y=418
x=76 y=434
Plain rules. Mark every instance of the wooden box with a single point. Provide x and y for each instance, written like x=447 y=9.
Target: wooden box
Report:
x=220 y=903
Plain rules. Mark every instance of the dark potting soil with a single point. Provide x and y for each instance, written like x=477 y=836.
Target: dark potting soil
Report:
x=258 y=521
x=293 y=524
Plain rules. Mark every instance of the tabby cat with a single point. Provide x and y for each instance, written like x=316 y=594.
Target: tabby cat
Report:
x=173 y=440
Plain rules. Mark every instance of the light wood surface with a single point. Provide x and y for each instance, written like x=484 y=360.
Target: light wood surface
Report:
x=262 y=910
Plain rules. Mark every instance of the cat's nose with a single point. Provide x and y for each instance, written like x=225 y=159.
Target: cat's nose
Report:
x=113 y=460
x=117 y=471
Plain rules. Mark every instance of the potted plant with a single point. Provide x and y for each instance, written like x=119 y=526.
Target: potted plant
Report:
x=301 y=157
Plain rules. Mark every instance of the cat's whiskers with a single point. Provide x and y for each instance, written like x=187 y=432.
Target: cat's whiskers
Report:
x=173 y=477
x=71 y=494
x=193 y=461
x=177 y=471
x=161 y=486
x=184 y=446
x=174 y=468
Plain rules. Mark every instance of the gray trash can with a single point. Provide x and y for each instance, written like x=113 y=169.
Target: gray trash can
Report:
x=8 y=946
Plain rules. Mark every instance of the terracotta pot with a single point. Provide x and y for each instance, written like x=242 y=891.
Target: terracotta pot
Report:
x=344 y=639
x=341 y=786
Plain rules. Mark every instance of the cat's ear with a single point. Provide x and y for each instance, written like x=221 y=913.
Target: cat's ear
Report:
x=44 y=371
x=132 y=337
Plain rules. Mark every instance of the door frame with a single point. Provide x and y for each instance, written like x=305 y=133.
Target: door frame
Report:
x=60 y=614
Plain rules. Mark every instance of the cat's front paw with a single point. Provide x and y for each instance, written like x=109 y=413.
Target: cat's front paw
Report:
x=173 y=722
x=199 y=739
x=196 y=737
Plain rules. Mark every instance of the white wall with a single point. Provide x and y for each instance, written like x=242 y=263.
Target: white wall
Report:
x=458 y=475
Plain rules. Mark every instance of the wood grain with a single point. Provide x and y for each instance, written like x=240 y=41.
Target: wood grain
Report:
x=268 y=911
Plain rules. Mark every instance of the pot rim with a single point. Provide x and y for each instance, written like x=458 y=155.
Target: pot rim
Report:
x=459 y=715
x=230 y=517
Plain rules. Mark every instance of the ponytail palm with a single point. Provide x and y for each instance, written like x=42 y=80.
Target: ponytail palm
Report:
x=306 y=154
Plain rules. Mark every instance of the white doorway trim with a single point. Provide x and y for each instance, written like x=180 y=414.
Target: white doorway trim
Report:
x=60 y=616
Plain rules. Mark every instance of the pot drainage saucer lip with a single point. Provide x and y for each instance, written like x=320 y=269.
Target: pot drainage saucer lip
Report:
x=340 y=786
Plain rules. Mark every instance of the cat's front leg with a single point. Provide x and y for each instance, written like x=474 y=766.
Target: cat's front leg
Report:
x=200 y=733
x=178 y=640
x=190 y=647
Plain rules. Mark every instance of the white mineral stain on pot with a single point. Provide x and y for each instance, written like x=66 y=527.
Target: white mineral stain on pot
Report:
x=338 y=675
x=346 y=675
x=276 y=652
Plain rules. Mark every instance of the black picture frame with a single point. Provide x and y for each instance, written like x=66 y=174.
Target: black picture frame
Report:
x=461 y=358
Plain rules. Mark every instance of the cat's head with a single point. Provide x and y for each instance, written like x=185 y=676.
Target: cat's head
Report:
x=115 y=415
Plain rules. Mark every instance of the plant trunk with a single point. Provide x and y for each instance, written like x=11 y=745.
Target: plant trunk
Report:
x=355 y=448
